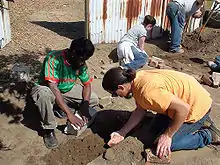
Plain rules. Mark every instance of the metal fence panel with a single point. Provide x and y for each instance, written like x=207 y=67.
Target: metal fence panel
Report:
x=109 y=20
x=5 y=29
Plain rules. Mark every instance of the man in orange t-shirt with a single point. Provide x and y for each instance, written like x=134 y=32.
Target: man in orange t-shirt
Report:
x=181 y=103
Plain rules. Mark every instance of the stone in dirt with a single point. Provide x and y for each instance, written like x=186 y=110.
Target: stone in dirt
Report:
x=155 y=61
x=205 y=79
x=105 y=68
x=163 y=66
x=21 y=72
x=152 y=158
x=105 y=101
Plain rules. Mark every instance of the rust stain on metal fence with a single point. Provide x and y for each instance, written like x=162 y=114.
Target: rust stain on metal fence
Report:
x=155 y=7
x=162 y=16
x=122 y=9
x=104 y=17
x=133 y=10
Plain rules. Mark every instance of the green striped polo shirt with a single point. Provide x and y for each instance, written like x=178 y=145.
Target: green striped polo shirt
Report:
x=56 y=69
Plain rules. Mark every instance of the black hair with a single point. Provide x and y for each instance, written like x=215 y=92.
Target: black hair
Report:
x=148 y=19
x=82 y=47
x=117 y=76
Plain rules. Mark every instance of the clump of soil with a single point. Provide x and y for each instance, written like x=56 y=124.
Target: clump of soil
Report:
x=128 y=151
x=206 y=42
x=76 y=151
x=197 y=52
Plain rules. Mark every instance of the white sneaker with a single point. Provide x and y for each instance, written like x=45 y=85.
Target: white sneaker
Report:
x=210 y=63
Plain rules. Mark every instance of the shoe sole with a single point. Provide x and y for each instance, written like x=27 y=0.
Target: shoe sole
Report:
x=212 y=127
x=50 y=147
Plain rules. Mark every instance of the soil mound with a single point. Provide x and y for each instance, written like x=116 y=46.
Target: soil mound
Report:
x=207 y=42
x=76 y=151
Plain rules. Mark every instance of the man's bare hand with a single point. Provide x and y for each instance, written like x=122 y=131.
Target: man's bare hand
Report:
x=163 y=146
x=197 y=14
x=218 y=1
x=115 y=139
x=75 y=120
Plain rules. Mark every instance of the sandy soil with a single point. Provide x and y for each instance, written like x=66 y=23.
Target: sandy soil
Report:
x=40 y=26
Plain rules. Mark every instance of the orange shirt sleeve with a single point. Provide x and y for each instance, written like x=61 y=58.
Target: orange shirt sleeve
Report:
x=157 y=100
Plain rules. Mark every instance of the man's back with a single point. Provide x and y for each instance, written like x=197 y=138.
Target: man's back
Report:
x=190 y=6
x=133 y=34
x=159 y=86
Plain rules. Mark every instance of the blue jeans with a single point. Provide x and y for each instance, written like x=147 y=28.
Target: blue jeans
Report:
x=176 y=16
x=190 y=136
x=216 y=67
x=139 y=61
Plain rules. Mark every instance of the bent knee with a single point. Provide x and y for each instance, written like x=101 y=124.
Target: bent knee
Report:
x=43 y=93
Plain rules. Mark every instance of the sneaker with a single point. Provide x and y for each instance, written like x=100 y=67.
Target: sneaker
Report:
x=215 y=138
x=50 y=139
x=211 y=64
x=215 y=132
x=177 y=51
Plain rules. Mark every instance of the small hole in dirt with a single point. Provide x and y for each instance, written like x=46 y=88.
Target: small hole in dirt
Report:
x=197 y=60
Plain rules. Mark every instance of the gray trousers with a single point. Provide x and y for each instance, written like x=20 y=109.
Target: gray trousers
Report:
x=44 y=99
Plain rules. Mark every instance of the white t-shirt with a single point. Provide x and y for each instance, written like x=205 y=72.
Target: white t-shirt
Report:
x=189 y=6
x=133 y=34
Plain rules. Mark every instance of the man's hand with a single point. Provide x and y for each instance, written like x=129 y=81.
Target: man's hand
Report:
x=115 y=139
x=197 y=14
x=218 y=1
x=163 y=146
x=75 y=120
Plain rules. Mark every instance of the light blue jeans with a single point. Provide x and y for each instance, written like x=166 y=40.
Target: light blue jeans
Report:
x=176 y=16
x=140 y=59
x=190 y=136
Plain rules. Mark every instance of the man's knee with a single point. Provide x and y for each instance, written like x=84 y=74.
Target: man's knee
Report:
x=42 y=94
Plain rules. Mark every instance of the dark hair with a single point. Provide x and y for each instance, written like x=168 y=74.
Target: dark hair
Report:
x=148 y=19
x=82 y=47
x=117 y=76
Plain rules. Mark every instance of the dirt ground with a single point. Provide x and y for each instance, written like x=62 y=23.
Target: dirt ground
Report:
x=41 y=26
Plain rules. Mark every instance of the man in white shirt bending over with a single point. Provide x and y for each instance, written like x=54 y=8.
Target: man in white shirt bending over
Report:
x=178 y=11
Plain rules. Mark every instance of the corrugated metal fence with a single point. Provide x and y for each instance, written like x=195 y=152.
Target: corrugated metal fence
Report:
x=5 y=29
x=108 y=20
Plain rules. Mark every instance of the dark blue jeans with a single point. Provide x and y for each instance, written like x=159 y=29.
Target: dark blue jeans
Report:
x=176 y=16
x=190 y=136
x=216 y=67
x=139 y=61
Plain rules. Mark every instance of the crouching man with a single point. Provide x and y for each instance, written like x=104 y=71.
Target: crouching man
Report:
x=57 y=86
x=130 y=49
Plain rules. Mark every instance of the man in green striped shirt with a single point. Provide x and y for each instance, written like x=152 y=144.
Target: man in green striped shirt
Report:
x=57 y=86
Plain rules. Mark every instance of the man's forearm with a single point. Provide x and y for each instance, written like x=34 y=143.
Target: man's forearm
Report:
x=178 y=120
x=86 y=92
x=135 y=118
x=59 y=98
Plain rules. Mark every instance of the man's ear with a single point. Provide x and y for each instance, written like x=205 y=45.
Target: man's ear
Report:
x=121 y=87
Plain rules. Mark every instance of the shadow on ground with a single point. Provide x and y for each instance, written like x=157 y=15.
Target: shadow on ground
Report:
x=161 y=42
x=113 y=55
x=70 y=30
x=108 y=121
x=197 y=60
x=13 y=93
